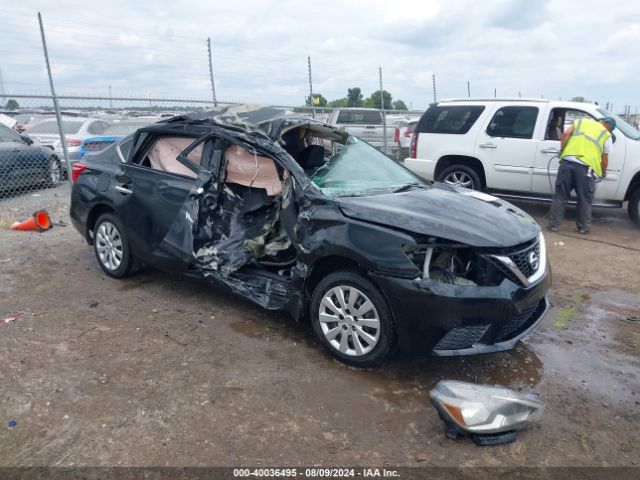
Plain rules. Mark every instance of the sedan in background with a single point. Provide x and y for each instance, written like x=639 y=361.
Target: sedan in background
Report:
x=75 y=130
x=114 y=132
x=24 y=164
x=26 y=120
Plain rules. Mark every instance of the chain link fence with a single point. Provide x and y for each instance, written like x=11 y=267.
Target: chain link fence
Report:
x=154 y=75
x=34 y=172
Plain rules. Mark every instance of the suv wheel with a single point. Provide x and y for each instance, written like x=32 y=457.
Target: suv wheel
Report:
x=54 y=173
x=112 y=247
x=634 y=207
x=352 y=319
x=461 y=176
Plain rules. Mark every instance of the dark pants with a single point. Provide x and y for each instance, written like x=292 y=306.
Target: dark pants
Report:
x=573 y=176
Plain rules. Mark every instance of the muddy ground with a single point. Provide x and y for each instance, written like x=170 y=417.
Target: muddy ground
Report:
x=159 y=370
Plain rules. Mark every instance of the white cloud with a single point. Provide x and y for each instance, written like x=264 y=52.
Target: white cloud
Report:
x=556 y=48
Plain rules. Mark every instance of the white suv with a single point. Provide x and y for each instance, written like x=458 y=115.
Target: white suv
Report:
x=511 y=147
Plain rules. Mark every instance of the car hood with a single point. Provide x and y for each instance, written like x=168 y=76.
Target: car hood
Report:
x=460 y=215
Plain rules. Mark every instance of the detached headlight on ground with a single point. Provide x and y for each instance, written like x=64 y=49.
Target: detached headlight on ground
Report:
x=489 y=414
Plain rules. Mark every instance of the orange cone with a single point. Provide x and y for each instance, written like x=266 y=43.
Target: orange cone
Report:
x=39 y=222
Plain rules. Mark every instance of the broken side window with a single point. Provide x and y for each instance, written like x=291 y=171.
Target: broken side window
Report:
x=163 y=155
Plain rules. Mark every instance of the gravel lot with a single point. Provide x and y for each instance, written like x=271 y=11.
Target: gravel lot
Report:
x=160 y=370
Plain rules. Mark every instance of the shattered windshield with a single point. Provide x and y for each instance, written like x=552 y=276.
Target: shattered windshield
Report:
x=358 y=169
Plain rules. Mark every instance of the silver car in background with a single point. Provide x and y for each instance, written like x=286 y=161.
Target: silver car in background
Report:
x=75 y=129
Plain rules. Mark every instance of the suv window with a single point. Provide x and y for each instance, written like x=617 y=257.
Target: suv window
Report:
x=363 y=117
x=455 y=119
x=513 y=122
x=560 y=119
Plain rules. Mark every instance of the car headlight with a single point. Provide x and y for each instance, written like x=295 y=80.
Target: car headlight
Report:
x=490 y=414
x=453 y=264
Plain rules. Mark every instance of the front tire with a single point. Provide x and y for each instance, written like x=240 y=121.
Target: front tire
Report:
x=111 y=246
x=634 y=207
x=352 y=319
x=461 y=176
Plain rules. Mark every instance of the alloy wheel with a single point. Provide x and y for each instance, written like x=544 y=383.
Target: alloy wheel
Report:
x=349 y=321
x=459 y=179
x=109 y=245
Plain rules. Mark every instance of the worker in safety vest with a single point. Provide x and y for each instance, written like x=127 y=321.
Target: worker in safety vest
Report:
x=584 y=157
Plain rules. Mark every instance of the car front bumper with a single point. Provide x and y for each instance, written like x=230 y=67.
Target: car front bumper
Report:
x=451 y=320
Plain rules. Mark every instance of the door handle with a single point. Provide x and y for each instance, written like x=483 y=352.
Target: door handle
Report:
x=122 y=189
x=550 y=150
x=488 y=145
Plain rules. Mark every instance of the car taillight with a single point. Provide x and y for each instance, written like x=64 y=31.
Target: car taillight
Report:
x=413 y=151
x=73 y=142
x=76 y=170
x=396 y=136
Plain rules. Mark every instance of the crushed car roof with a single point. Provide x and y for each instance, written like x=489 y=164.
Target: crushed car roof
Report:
x=244 y=117
x=263 y=119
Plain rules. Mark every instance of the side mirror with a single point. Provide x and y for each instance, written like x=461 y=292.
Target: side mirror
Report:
x=26 y=139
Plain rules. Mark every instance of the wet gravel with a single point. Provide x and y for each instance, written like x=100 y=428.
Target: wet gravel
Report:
x=159 y=370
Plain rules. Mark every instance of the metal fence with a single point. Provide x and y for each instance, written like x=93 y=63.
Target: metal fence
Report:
x=154 y=76
x=36 y=171
x=70 y=100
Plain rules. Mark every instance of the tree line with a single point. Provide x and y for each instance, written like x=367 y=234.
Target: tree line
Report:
x=355 y=98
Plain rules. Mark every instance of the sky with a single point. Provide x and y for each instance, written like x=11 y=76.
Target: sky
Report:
x=533 y=48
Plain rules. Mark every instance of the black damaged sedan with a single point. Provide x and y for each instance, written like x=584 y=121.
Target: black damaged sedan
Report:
x=297 y=215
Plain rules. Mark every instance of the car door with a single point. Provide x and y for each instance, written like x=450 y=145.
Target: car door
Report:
x=159 y=174
x=14 y=172
x=547 y=154
x=507 y=147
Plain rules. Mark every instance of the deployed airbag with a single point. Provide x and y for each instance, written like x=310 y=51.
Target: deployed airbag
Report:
x=163 y=155
x=249 y=169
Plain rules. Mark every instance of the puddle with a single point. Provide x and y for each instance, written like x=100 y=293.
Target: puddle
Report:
x=596 y=352
x=405 y=382
x=593 y=351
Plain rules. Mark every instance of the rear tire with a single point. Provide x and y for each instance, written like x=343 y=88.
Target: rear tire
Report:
x=634 y=207
x=461 y=176
x=111 y=246
x=54 y=173
x=352 y=319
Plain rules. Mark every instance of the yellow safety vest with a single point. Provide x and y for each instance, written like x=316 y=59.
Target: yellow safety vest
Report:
x=587 y=143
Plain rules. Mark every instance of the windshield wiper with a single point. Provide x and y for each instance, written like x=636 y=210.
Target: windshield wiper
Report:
x=409 y=186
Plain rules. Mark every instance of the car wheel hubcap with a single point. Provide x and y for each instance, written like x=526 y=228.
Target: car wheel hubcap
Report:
x=54 y=172
x=109 y=245
x=349 y=321
x=459 y=179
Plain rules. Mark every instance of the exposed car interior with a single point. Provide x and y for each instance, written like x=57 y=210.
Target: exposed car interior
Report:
x=556 y=125
x=250 y=201
x=164 y=152
x=243 y=227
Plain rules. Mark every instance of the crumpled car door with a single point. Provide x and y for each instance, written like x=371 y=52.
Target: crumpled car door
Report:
x=179 y=240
